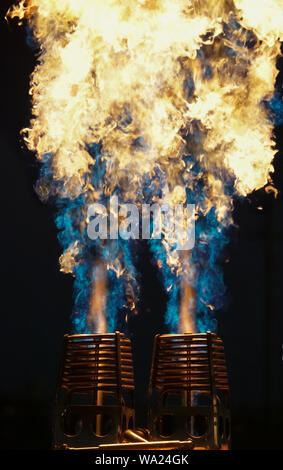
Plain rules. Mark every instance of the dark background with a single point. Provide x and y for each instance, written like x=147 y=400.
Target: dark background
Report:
x=36 y=299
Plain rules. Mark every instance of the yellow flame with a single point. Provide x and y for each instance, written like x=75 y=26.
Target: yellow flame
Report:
x=99 y=59
x=68 y=259
x=96 y=318
x=188 y=299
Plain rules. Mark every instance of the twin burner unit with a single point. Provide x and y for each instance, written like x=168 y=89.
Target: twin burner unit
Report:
x=188 y=394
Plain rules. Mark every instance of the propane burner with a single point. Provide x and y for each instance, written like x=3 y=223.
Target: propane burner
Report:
x=189 y=392
x=94 y=399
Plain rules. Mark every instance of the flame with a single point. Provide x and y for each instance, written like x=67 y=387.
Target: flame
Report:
x=160 y=100
x=96 y=315
x=187 y=322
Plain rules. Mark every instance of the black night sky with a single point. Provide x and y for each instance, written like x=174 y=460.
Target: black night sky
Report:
x=36 y=299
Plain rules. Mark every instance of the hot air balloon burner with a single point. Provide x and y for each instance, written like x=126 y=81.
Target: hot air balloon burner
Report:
x=95 y=391
x=189 y=392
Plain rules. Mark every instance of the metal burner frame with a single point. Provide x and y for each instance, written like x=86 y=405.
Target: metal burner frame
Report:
x=189 y=391
x=94 y=402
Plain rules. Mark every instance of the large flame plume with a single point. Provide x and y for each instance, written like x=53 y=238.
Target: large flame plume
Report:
x=168 y=101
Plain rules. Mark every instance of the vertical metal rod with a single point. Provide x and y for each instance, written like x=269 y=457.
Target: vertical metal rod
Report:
x=188 y=392
x=98 y=393
x=119 y=368
x=61 y=370
x=212 y=384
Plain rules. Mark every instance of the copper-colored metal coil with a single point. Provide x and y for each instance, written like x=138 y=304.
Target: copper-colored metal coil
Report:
x=188 y=362
x=91 y=360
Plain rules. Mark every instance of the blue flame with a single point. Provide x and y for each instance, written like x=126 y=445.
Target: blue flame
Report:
x=211 y=235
